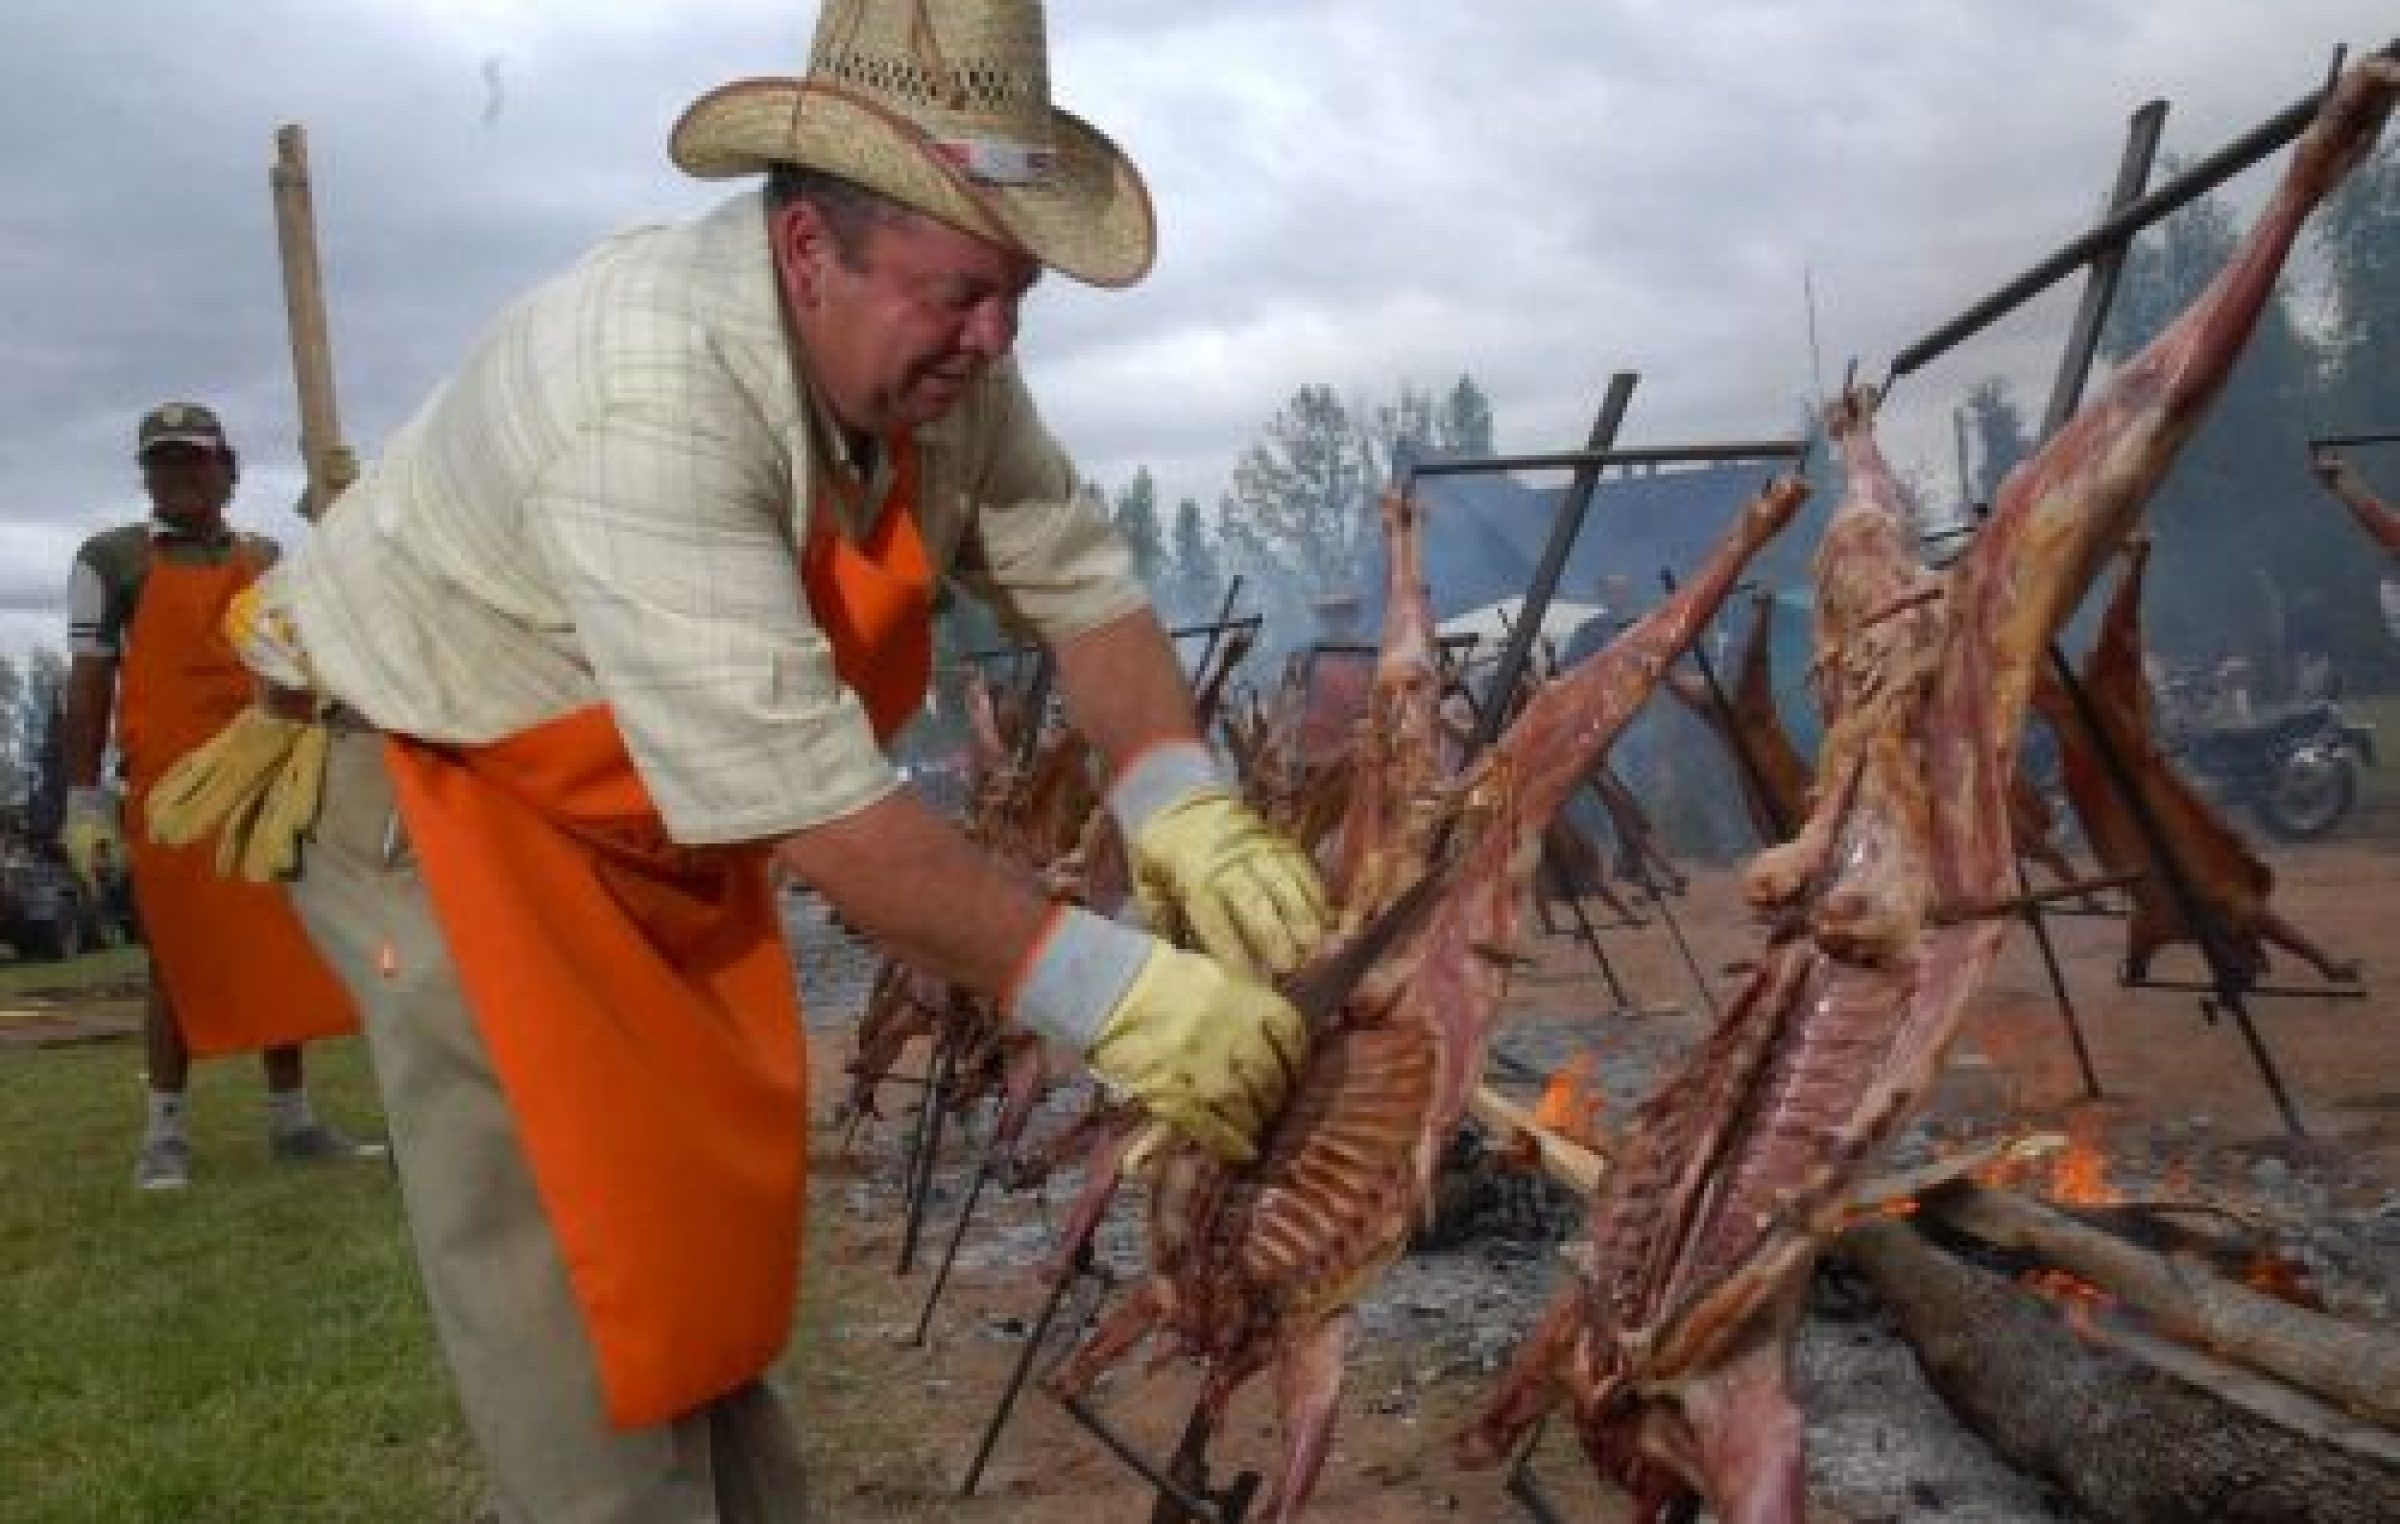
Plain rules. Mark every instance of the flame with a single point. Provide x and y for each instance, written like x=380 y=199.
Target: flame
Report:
x=1569 y=1107
x=2078 y=1301
x=2081 y=1175
x=2277 y=1275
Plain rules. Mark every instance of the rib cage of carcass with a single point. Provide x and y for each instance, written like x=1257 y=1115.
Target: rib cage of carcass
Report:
x=1672 y=1344
x=1259 y=1265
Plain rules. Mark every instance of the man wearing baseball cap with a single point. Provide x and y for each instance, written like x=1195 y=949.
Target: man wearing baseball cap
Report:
x=635 y=603
x=230 y=969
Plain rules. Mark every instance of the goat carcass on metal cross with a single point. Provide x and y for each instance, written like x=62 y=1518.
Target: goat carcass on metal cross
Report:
x=1259 y=1265
x=1672 y=1344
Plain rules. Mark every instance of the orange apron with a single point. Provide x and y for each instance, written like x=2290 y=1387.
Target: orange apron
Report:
x=237 y=968
x=638 y=1000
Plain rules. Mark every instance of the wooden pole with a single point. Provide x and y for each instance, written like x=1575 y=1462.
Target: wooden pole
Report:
x=1570 y=1163
x=329 y=463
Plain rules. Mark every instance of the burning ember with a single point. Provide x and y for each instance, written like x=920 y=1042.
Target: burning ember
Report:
x=2070 y=1169
x=2077 y=1300
x=2080 y=1178
x=2272 y=1272
x=1569 y=1106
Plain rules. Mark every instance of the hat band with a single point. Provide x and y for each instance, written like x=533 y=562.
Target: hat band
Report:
x=998 y=161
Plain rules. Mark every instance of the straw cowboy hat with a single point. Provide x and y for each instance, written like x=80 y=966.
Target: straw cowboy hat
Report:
x=944 y=106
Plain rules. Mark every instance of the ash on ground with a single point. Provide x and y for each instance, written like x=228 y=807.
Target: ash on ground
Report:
x=836 y=966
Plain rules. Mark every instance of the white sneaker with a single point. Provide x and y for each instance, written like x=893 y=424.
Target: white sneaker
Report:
x=165 y=1164
x=318 y=1143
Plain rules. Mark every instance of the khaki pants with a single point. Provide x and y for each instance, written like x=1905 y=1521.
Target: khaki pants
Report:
x=515 y=1342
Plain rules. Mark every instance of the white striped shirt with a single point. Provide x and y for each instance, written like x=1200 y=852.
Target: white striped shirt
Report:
x=607 y=502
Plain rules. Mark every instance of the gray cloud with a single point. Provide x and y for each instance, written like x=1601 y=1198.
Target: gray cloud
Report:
x=1349 y=192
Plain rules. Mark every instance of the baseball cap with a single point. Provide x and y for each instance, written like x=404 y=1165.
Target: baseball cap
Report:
x=185 y=423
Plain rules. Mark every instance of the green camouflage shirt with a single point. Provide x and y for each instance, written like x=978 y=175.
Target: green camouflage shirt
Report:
x=106 y=585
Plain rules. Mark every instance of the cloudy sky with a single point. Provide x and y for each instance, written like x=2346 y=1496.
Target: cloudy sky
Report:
x=1354 y=192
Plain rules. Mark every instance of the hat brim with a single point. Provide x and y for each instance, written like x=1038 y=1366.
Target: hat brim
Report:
x=204 y=440
x=1089 y=218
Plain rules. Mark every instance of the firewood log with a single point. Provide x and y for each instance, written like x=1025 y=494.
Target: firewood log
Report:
x=2351 y=1365
x=2124 y=1438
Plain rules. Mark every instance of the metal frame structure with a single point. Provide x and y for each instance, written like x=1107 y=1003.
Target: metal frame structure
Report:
x=1643 y=879
x=925 y=1138
x=2345 y=441
x=1600 y=451
x=1555 y=877
x=1182 y=1485
x=1184 y=1496
x=2100 y=253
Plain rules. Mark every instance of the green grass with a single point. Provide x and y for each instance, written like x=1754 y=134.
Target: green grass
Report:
x=118 y=965
x=252 y=1348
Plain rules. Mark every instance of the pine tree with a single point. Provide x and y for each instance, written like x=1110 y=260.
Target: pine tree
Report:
x=1998 y=431
x=1136 y=517
x=2242 y=533
x=1462 y=426
x=1195 y=586
x=1298 y=516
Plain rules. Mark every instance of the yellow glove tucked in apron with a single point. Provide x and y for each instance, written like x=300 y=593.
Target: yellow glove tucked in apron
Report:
x=1209 y=1054
x=259 y=782
x=1205 y=861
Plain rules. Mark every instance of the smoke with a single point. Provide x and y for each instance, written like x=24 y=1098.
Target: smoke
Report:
x=1484 y=539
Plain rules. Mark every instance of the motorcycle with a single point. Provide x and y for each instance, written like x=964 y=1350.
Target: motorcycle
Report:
x=2295 y=768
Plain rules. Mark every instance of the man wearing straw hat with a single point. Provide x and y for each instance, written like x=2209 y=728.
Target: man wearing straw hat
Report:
x=624 y=616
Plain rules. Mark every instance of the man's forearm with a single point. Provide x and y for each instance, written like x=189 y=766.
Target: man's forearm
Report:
x=90 y=694
x=1125 y=688
x=910 y=881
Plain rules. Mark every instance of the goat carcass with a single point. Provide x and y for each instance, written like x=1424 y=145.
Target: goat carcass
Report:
x=1672 y=1344
x=2229 y=883
x=1261 y=1264
x=1777 y=780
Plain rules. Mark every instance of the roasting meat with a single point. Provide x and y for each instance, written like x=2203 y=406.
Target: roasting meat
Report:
x=1777 y=778
x=2230 y=882
x=1572 y=870
x=1034 y=815
x=1573 y=862
x=1295 y=750
x=1260 y=1265
x=2378 y=518
x=1672 y=1345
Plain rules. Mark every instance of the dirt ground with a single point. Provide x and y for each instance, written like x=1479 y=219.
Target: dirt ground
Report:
x=2183 y=1106
x=895 y=1423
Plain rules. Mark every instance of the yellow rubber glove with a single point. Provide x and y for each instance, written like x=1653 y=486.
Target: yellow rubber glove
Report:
x=269 y=849
x=256 y=784
x=1205 y=861
x=1208 y=1053
x=90 y=829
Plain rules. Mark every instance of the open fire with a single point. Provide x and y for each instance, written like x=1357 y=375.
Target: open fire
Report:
x=1569 y=1106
